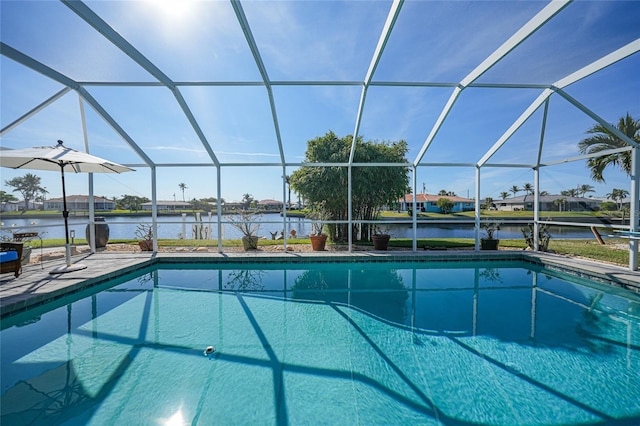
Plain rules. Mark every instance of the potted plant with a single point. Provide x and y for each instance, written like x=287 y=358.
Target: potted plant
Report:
x=543 y=236
x=318 y=237
x=144 y=232
x=247 y=223
x=380 y=238
x=490 y=242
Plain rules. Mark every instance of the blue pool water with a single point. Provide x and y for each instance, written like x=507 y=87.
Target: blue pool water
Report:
x=501 y=343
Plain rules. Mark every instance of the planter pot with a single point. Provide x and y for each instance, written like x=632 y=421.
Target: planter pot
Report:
x=486 y=244
x=102 y=232
x=380 y=242
x=146 y=245
x=250 y=243
x=318 y=242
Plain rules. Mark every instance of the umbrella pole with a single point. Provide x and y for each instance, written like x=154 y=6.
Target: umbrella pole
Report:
x=67 y=247
x=65 y=215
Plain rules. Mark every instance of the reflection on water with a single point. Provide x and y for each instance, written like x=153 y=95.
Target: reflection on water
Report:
x=379 y=292
x=132 y=354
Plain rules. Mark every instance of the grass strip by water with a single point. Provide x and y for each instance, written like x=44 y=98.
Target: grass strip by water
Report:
x=614 y=251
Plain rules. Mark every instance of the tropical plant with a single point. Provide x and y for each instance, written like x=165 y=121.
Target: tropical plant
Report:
x=247 y=200
x=584 y=188
x=603 y=139
x=144 y=231
x=5 y=198
x=618 y=195
x=372 y=187
x=514 y=189
x=42 y=197
x=560 y=202
x=246 y=222
x=528 y=188
x=28 y=186
x=287 y=180
x=488 y=203
x=504 y=195
x=573 y=192
x=182 y=187
x=543 y=236
x=132 y=202
x=381 y=230
x=490 y=228
x=445 y=205
x=318 y=216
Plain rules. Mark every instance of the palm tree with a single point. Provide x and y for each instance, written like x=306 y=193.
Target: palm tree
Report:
x=618 y=195
x=287 y=180
x=504 y=195
x=247 y=200
x=583 y=189
x=559 y=202
x=603 y=139
x=515 y=190
x=182 y=187
x=528 y=188
x=573 y=192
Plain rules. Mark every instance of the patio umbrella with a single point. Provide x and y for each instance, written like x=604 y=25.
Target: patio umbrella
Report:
x=59 y=158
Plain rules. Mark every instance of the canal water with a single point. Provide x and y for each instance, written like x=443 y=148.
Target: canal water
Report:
x=124 y=227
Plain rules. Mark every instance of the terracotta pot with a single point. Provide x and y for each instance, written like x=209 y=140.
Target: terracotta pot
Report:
x=487 y=244
x=250 y=243
x=318 y=242
x=146 y=245
x=380 y=242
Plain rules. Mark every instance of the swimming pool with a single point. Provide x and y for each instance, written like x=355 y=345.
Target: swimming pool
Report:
x=503 y=342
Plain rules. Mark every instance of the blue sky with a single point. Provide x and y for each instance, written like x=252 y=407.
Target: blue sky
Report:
x=197 y=42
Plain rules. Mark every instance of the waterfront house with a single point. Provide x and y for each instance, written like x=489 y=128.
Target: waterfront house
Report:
x=270 y=205
x=80 y=203
x=429 y=203
x=549 y=203
x=167 y=206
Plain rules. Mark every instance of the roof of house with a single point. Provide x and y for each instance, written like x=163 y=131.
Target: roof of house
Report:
x=168 y=203
x=420 y=198
x=270 y=202
x=545 y=199
x=81 y=199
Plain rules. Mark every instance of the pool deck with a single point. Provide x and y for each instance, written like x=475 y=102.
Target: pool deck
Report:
x=36 y=286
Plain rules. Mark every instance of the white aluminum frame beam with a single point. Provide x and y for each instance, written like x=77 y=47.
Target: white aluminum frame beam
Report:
x=607 y=60
x=596 y=117
x=91 y=18
x=534 y=24
x=35 y=110
x=392 y=16
x=43 y=69
x=253 y=46
x=531 y=109
x=586 y=156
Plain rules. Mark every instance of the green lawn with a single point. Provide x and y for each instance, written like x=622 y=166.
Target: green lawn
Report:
x=584 y=248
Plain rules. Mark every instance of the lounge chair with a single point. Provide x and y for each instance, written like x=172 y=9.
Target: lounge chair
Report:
x=11 y=258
